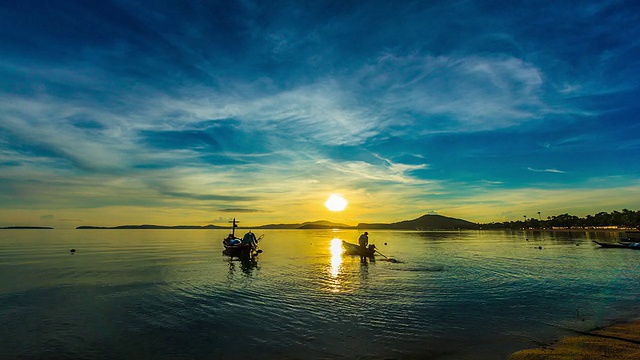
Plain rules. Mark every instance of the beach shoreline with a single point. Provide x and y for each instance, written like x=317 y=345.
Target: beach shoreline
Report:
x=617 y=341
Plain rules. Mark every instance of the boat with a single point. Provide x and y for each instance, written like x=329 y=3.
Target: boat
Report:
x=634 y=246
x=632 y=234
x=355 y=249
x=245 y=247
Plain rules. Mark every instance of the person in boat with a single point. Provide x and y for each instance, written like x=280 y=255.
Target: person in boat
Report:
x=250 y=238
x=363 y=240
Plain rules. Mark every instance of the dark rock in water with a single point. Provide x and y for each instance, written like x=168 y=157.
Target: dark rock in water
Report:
x=539 y=247
x=73 y=251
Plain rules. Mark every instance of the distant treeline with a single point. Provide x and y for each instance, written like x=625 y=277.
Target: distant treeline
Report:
x=624 y=219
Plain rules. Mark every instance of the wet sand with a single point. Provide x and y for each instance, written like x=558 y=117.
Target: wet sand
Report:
x=620 y=341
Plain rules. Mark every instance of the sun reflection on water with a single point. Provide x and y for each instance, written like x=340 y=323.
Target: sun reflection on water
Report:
x=336 y=257
x=334 y=280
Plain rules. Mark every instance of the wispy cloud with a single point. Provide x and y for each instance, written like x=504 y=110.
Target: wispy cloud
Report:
x=117 y=105
x=547 y=170
x=449 y=93
x=239 y=210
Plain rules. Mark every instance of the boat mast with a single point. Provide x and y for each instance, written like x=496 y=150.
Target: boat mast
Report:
x=233 y=228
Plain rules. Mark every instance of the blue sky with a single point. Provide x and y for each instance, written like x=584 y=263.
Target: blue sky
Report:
x=167 y=112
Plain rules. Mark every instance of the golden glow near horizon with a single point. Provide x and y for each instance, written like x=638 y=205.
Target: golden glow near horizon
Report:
x=336 y=202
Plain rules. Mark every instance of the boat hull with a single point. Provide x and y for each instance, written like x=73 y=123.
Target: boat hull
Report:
x=633 y=246
x=243 y=250
x=354 y=249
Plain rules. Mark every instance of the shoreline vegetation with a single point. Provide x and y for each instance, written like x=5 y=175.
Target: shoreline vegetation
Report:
x=603 y=221
x=625 y=219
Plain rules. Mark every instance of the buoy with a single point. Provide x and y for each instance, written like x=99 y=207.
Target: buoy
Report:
x=539 y=247
x=73 y=251
x=385 y=244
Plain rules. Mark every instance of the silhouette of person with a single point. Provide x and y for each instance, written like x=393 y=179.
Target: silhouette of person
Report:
x=363 y=240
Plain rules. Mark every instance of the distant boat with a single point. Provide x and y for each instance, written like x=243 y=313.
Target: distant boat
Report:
x=634 y=246
x=354 y=249
x=247 y=247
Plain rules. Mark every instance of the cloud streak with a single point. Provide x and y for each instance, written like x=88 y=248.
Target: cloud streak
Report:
x=555 y=171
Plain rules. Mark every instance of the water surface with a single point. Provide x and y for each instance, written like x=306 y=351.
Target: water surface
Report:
x=172 y=294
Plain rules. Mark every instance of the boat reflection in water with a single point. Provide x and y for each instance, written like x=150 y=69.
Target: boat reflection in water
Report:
x=246 y=265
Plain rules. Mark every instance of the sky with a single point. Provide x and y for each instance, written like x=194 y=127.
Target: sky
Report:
x=194 y=112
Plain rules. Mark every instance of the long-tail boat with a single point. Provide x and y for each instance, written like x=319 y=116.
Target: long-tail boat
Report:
x=355 y=249
x=247 y=247
x=634 y=246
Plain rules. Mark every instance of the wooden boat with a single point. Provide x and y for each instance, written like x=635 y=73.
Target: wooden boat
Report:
x=634 y=246
x=355 y=249
x=247 y=247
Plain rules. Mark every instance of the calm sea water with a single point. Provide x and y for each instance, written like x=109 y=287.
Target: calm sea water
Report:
x=172 y=294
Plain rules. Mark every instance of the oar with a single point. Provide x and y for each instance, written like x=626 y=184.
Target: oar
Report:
x=381 y=254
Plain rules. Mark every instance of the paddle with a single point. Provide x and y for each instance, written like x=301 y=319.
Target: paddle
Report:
x=381 y=254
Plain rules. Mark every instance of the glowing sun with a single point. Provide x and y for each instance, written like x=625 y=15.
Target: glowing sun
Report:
x=335 y=202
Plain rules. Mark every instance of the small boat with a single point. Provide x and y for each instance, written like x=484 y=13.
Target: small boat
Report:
x=247 y=247
x=355 y=249
x=634 y=246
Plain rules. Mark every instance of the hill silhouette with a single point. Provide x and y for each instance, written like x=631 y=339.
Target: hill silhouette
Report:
x=320 y=224
x=425 y=222
x=26 y=228
x=149 y=227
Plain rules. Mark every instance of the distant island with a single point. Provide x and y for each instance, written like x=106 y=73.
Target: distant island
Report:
x=150 y=227
x=425 y=222
x=321 y=224
x=25 y=228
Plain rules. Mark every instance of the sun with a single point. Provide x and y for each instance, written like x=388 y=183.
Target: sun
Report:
x=336 y=202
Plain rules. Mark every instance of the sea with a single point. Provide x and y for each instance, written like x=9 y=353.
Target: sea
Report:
x=172 y=294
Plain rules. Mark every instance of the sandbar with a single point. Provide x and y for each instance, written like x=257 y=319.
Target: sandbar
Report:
x=621 y=341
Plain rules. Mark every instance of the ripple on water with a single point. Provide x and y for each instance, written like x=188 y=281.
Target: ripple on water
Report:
x=172 y=294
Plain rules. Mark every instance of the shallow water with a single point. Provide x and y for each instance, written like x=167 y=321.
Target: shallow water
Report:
x=172 y=294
